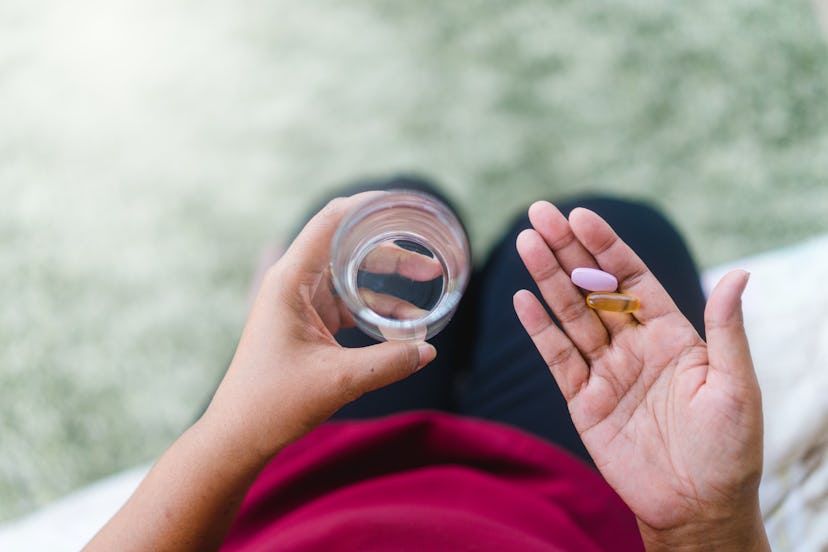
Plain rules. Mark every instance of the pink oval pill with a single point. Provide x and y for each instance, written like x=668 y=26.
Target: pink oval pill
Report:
x=593 y=279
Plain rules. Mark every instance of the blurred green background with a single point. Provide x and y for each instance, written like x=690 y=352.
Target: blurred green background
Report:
x=149 y=149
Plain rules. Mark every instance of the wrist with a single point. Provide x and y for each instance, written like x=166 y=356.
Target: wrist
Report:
x=743 y=532
x=234 y=437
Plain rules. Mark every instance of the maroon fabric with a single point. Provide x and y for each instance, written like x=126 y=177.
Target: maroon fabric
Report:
x=429 y=481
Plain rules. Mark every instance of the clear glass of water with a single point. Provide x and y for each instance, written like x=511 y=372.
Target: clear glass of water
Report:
x=400 y=264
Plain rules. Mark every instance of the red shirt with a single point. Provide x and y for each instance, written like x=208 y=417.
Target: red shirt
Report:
x=429 y=481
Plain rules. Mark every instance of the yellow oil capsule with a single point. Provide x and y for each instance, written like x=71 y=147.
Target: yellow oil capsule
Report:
x=613 y=302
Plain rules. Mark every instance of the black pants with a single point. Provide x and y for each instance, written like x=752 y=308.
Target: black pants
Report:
x=486 y=366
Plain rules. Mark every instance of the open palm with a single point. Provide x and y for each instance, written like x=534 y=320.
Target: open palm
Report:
x=674 y=424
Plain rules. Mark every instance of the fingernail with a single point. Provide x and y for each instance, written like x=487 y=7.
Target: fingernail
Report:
x=427 y=353
x=745 y=279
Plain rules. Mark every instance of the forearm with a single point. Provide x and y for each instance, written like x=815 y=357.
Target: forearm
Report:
x=189 y=499
x=745 y=533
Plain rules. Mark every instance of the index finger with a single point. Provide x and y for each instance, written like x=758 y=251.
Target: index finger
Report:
x=617 y=258
x=555 y=229
x=390 y=258
x=310 y=252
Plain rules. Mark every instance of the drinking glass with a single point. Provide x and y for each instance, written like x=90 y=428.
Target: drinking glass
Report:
x=400 y=263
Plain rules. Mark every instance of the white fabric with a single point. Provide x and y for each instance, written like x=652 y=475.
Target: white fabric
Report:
x=786 y=316
x=68 y=524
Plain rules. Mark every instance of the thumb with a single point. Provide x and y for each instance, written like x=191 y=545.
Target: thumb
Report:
x=727 y=345
x=385 y=363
